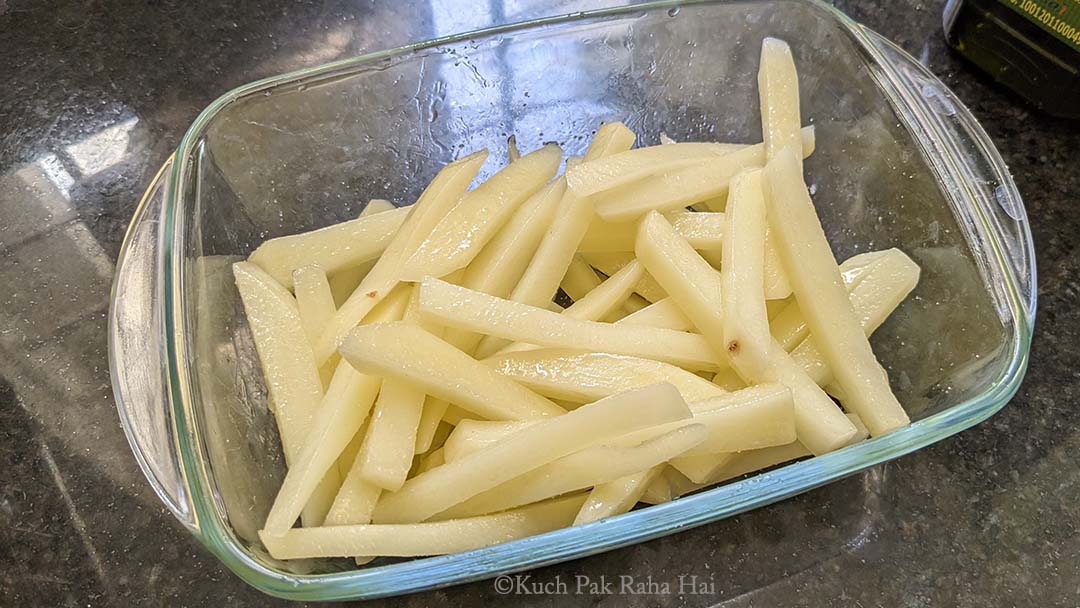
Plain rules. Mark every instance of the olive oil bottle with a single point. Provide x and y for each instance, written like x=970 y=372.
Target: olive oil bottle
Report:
x=1030 y=46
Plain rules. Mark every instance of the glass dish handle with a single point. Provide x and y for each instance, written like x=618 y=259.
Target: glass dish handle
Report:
x=137 y=358
x=965 y=152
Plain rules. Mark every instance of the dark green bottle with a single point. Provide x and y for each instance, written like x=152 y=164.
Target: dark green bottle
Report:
x=1030 y=46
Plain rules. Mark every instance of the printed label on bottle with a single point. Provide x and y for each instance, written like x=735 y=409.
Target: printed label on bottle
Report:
x=1058 y=17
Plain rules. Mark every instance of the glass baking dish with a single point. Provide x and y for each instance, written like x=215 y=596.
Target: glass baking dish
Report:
x=899 y=163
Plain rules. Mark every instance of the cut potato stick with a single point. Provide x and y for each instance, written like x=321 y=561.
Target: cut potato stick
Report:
x=408 y=353
x=288 y=366
x=661 y=313
x=345 y=281
x=815 y=279
x=474 y=435
x=820 y=424
x=430 y=417
x=314 y=300
x=580 y=279
x=778 y=92
x=592 y=176
x=541 y=278
x=429 y=461
x=443 y=487
x=885 y=285
x=332 y=248
x=701 y=230
x=587 y=376
x=342 y=411
x=700 y=468
x=456 y=306
x=616 y=497
x=683 y=187
x=348 y=455
x=387 y=451
x=584 y=469
x=611 y=263
x=434 y=538
x=459 y=237
x=598 y=303
x=657 y=491
x=455 y=415
x=355 y=501
x=748 y=419
x=502 y=261
x=438 y=198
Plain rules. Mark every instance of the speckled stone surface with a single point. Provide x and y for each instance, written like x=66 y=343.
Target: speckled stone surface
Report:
x=986 y=518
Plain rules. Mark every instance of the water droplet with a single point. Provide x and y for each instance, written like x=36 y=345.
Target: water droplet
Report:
x=672 y=12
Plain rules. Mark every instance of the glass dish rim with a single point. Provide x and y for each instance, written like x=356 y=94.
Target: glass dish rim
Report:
x=636 y=526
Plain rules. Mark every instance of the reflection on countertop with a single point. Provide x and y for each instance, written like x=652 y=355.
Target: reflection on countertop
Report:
x=98 y=94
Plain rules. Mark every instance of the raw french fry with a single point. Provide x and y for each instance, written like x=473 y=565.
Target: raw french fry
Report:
x=823 y=300
x=346 y=280
x=387 y=451
x=599 y=302
x=683 y=187
x=473 y=435
x=289 y=369
x=610 y=263
x=587 y=376
x=615 y=170
x=778 y=90
x=459 y=237
x=501 y=263
x=339 y=416
x=332 y=248
x=430 y=417
x=662 y=313
x=455 y=415
x=348 y=455
x=434 y=538
x=408 y=353
x=313 y=299
x=820 y=425
x=657 y=491
x=616 y=497
x=885 y=285
x=541 y=278
x=584 y=469
x=441 y=488
x=431 y=460
x=699 y=468
x=458 y=307
x=355 y=501
x=748 y=419
x=701 y=230
x=438 y=198
x=695 y=286
x=580 y=279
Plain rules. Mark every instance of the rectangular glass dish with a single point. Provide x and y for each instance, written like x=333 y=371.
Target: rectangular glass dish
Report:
x=899 y=163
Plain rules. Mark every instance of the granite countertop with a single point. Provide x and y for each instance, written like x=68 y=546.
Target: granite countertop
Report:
x=94 y=96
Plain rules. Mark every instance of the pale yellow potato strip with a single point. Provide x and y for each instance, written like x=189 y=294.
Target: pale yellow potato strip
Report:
x=443 y=487
x=473 y=435
x=580 y=279
x=436 y=458
x=433 y=538
x=345 y=281
x=815 y=279
x=616 y=497
x=778 y=92
x=599 y=302
x=610 y=263
x=332 y=248
x=657 y=491
x=661 y=313
x=579 y=376
x=610 y=138
x=342 y=411
x=820 y=424
x=459 y=237
x=406 y=352
x=683 y=187
x=583 y=469
x=704 y=230
x=387 y=451
x=699 y=468
x=592 y=176
x=456 y=306
x=441 y=195
x=355 y=501
x=430 y=417
x=314 y=300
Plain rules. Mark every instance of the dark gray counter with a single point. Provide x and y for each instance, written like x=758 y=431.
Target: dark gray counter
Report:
x=94 y=95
